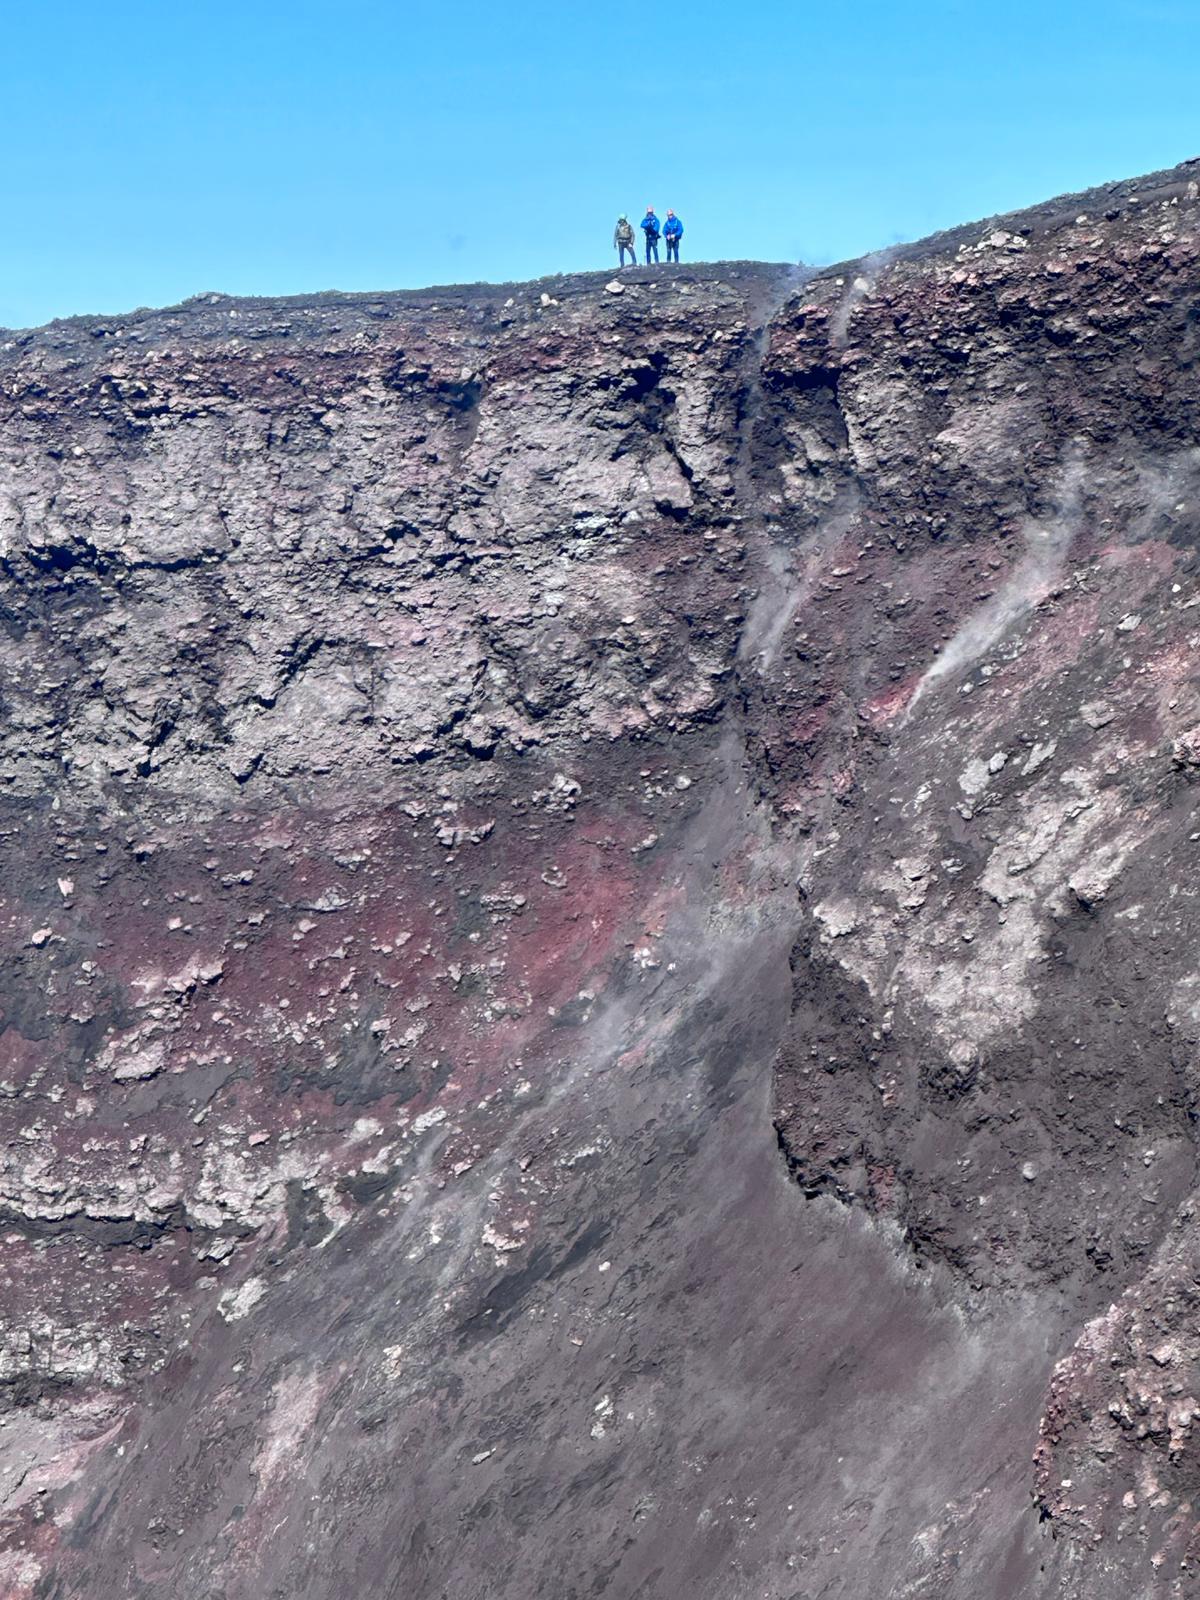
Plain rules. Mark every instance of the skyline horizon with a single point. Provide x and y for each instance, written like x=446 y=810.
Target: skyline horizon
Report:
x=816 y=266
x=264 y=151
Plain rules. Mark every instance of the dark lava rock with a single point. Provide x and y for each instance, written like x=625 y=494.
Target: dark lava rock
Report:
x=494 y=780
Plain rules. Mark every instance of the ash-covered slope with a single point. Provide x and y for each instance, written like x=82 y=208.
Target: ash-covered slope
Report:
x=498 y=783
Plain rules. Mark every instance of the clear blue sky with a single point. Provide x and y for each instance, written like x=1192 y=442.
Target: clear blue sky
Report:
x=155 y=150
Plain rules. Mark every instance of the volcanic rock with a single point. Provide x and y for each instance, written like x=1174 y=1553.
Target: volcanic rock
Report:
x=599 y=970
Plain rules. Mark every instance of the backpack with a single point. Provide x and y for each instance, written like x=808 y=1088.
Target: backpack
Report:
x=624 y=232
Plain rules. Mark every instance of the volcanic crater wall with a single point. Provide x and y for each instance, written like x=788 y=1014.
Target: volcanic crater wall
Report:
x=494 y=780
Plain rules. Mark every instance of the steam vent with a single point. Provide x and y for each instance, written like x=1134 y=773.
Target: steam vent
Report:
x=600 y=967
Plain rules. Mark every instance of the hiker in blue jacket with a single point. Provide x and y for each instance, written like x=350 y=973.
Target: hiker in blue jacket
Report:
x=652 y=231
x=672 y=233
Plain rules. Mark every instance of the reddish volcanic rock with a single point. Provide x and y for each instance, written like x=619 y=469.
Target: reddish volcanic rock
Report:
x=492 y=780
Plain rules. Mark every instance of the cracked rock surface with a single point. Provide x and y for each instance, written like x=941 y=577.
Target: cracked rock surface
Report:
x=598 y=952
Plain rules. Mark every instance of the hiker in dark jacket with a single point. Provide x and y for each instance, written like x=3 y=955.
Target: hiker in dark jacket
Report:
x=623 y=240
x=672 y=233
x=652 y=231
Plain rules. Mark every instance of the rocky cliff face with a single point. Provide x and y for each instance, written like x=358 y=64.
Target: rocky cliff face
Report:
x=494 y=787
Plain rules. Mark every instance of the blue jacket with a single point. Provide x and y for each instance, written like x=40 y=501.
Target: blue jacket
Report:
x=650 y=223
x=673 y=229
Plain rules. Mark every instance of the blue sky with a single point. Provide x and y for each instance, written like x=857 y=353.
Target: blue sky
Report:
x=155 y=151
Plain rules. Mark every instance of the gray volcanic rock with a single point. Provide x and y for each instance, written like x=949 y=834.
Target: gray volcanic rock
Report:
x=494 y=780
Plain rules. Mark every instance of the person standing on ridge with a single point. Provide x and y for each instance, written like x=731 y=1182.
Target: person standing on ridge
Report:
x=623 y=240
x=672 y=233
x=652 y=231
